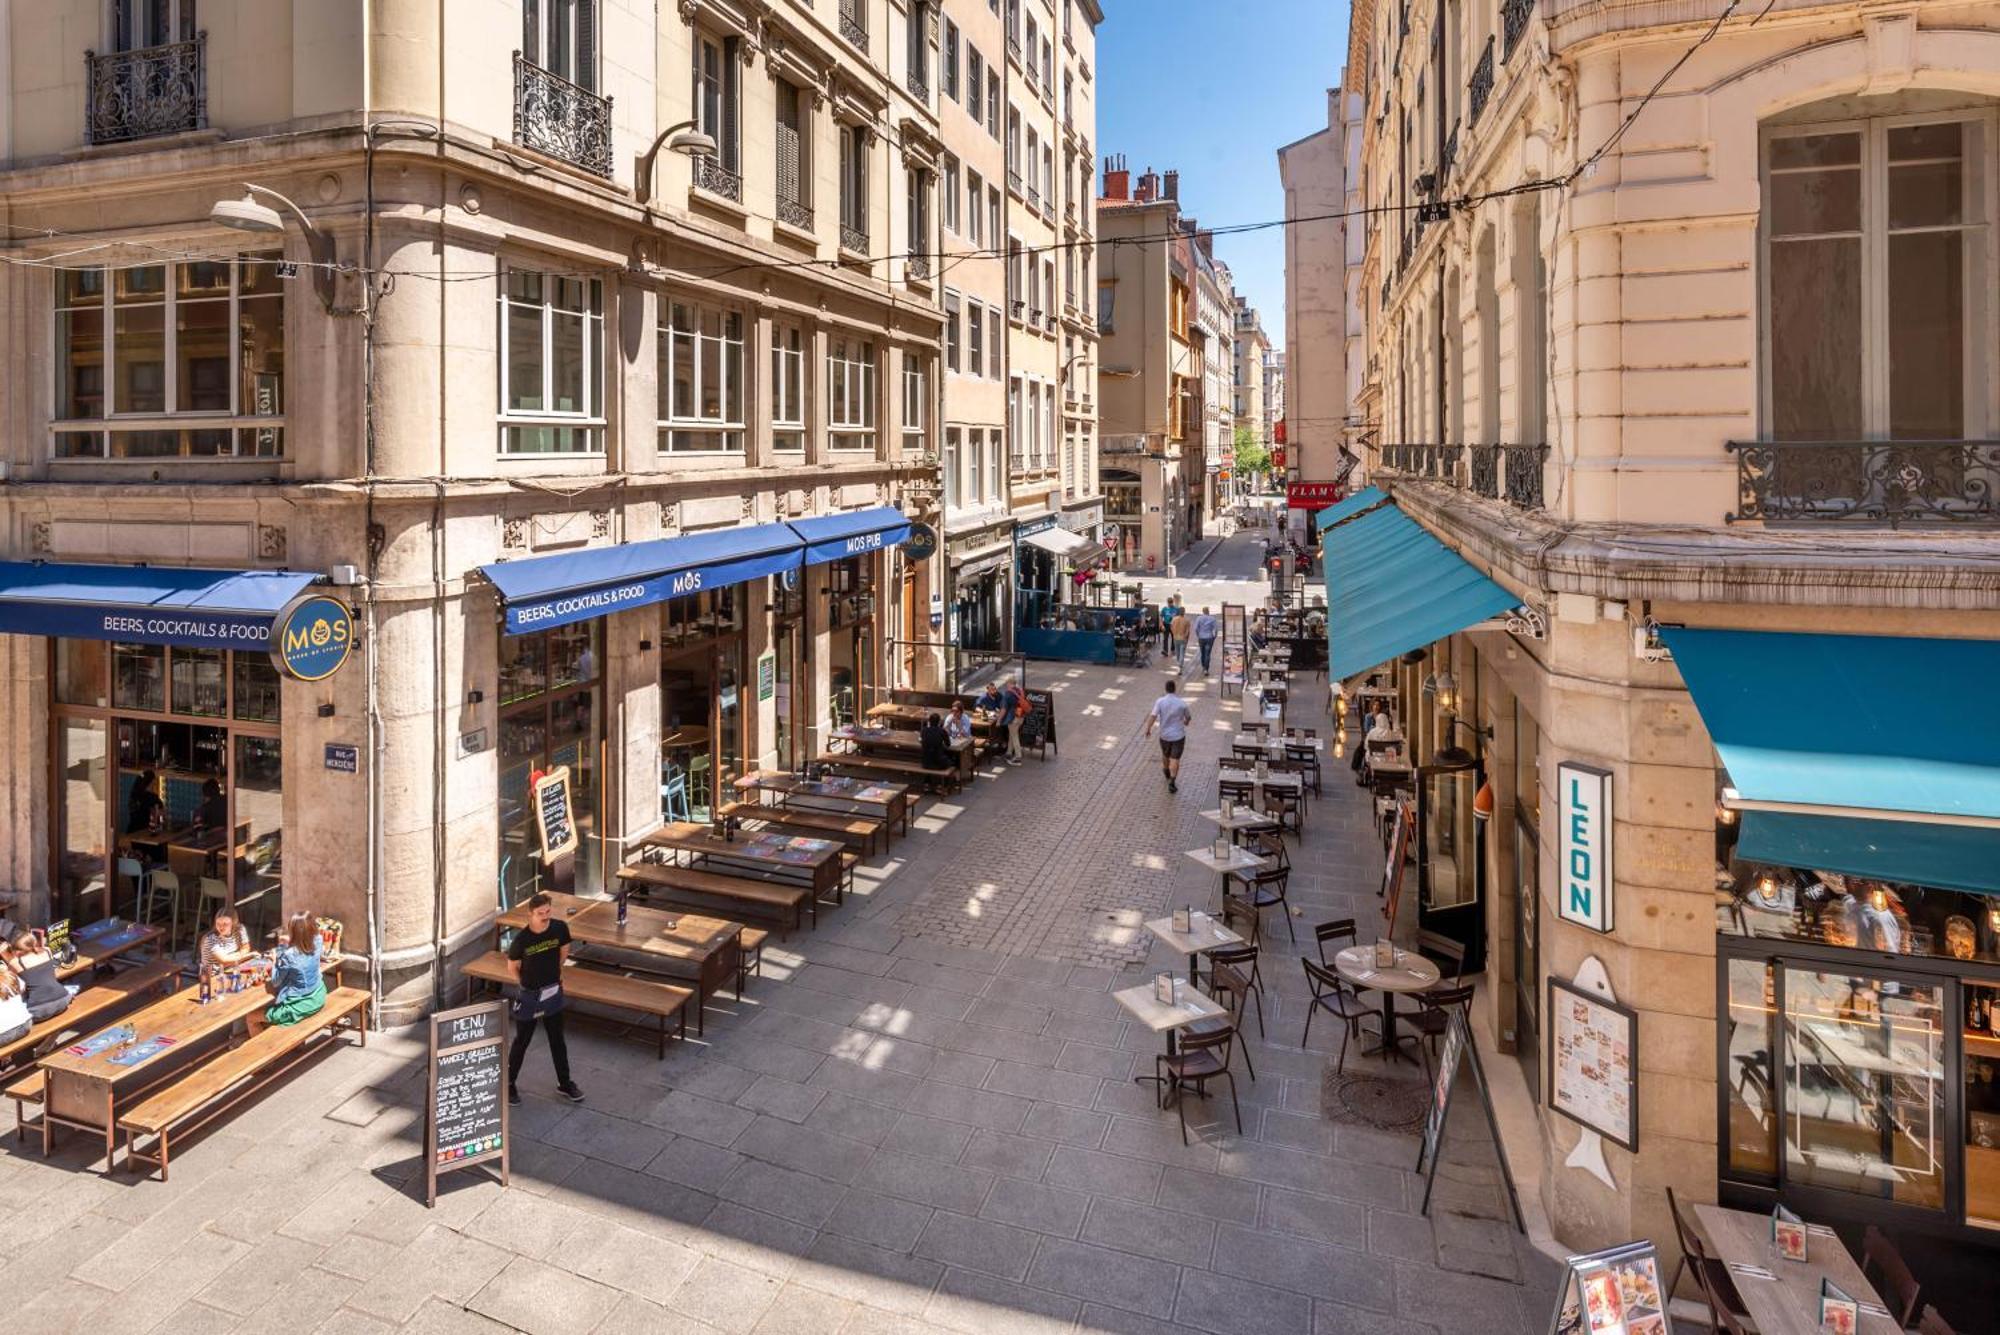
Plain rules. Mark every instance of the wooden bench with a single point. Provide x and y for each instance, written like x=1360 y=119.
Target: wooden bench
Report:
x=216 y=1086
x=745 y=893
x=855 y=831
x=104 y=1001
x=30 y=1088
x=663 y=1001
x=949 y=780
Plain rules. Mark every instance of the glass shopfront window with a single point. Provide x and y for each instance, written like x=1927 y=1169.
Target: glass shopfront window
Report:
x=167 y=775
x=701 y=723
x=852 y=634
x=551 y=714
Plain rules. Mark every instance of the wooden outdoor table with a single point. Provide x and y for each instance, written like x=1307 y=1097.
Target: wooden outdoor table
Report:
x=1789 y=1303
x=97 y=945
x=1410 y=973
x=86 y=1091
x=657 y=936
x=866 y=739
x=984 y=724
x=1203 y=935
x=812 y=862
x=836 y=793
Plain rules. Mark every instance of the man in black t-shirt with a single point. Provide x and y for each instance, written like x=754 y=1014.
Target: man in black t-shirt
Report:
x=536 y=960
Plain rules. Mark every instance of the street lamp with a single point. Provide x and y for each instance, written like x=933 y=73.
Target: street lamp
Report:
x=681 y=138
x=248 y=215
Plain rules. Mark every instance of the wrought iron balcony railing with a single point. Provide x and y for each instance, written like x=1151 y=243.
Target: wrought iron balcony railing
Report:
x=1481 y=87
x=1447 y=157
x=1865 y=483
x=1034 y=198
x=1512 y=473
x=917 y=267
x=1014 y=178
x=851 y=26
x=560 y=118
x=794 y=214
x=853 y=238
x=918 y=88
x=152 y=91
x=1514 y=15
x=716 y=179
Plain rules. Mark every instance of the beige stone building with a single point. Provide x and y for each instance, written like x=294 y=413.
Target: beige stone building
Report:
x=1247 y=408
x=1679 y=328
x=561 y=391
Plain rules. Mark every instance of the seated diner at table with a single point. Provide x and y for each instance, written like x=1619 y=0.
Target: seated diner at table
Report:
x=936 y=743
x=213 y=813
x=15 y=1022
x=297 y=989
x=226 y=943
x=958 y=723
x=145 y=812
x=42 y=991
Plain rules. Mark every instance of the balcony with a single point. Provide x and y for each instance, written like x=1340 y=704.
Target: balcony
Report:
x=794 y=214
x=1869 y=483
x=917 y=268
x=1514 y=16
x=853 y=239
x=716 y=179
x=1014 y=179
x=153 y=91
x=851 y=26
x=1034 y=199
x=1512 y=473
x=560 y=118
x=918 y=88
x=1481 y=87
x=1447 y=158
x=1014 y=46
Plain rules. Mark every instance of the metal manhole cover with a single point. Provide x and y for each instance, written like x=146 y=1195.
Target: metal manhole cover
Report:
x=1390 y=1104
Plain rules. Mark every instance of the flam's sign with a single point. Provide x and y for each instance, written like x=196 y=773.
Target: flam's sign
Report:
x=1311 y=495
x=1583 y=855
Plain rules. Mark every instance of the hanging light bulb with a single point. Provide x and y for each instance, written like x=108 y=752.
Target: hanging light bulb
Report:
x=1724 y=815
x=1447 y=693
x=1767 y=885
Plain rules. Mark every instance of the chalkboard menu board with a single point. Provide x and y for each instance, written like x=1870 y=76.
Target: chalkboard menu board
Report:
x=1039 y=727
x=465 y=1113
x=555 y=820
x=1458 y=1044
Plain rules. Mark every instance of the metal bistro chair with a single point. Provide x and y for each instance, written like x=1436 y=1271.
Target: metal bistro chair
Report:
x=1235 y=790
x=1267 y=887
x=1271 y=846
x=1228 y=965
x=674 y=794
x=1339 y=929
x=1195 y=1064
x=1258 y=726
x=1289 y=809
x=1434 y=1019
x=1251 y=754
x=1307 y=760
x=1334 y=995
x=1239 y=917
x=1718 y=1290
x=1444 y=950
x=1890 y=1276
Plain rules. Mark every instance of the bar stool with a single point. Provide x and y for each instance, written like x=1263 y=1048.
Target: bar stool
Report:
x=135 y=871
x=674 y=795
x=163 y=881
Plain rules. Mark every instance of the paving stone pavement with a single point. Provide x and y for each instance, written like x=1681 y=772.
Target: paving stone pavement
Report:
x=920 y=1119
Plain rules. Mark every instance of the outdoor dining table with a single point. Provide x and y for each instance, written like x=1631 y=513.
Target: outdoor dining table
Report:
x=1191 y=1006
x=710 y=946
x=839 y=794
x=1239 y=860
x=103 y=941
x=1788 y=1302
x=1243 y=820
x=1277 y=780
x=88 y=1081
x=1265 y=701
x=869 y=737
x=1410 y=973
x=814 y=862
x=984 y=722
x=1204 y=934
x=1274 y=747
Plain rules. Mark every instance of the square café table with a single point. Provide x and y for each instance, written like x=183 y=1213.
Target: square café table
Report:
x=1203 y=935
x=1245 y=819
x=1239 y=860
x=1191 y=1006
x=1789 y=1303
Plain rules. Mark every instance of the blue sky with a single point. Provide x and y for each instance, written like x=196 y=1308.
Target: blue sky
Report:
x=1214 y=88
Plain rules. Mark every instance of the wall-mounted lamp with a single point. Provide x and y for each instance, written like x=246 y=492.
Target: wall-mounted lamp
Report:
x=248 y=215
x=326 y=710
x=474 y=697
x=681 y=138
x=1455 y=756
x=646 y=646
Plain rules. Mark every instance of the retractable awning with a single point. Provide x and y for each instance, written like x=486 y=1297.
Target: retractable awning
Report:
x=836 y=537
x=1366 y=498
x=1874 y=755
x=546 y=591
x=1392 y=587
x=215 y=609
x=1059 y=541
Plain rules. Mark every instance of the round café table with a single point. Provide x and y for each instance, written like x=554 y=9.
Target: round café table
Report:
x=1410 y=973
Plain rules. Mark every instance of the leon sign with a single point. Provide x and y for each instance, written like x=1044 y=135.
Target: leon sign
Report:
x=1583 y=849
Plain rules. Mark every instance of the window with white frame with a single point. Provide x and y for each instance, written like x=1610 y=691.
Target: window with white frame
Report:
x=953 y=470
x=195 y=339
x=919 y=42
x=952 y=314
x=1878 y=264
x=948 y=196
x=850 y=393
x=948 y=60
x=993 y=104
x=1028 y=50
x=138 y=24
x=1014 y=148
x=854 y=185
x=1048 y=442
x=1048 y=73
x=716 y=94
x=560 y=36
x=1048 y=180
x=975 y=339
x=994 y=346
x=975 y=81
x=975 y=201
x=1049 y=293
x=790 y=388
x=917 y=192
x=552 y=364
x=701 y=378
x=916 y=407
x=794 y=153
x=1018 y=272
x=1017 y=432
x=973 y=487
x=993 y=464
x=992 y=215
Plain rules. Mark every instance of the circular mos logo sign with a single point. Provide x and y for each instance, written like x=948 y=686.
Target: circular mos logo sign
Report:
x=922 y=544
x=311 y=637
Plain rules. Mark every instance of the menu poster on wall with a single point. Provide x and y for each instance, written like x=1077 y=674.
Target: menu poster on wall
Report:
x=554 y=820
x=465 y=1111
x=1612 y=1292
x=1594 y=1062
x=767 y=676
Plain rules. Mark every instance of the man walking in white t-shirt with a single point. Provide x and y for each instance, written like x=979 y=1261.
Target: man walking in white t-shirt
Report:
x=1172 y=715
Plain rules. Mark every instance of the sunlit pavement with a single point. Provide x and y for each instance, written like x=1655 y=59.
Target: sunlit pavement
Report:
x=921 y=1118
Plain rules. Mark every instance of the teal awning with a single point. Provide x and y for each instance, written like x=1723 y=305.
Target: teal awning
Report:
x=1874 y=755
x=1347 y=509
x=1392 y=587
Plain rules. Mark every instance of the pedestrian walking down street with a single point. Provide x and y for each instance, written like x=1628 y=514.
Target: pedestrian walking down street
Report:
x=1206 y=628
x=536 y=961
x=1183 y=627
x=1013 y=708
x=1168 y=613
x=1171 y=715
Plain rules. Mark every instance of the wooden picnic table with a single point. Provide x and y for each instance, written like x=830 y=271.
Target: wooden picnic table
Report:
x=1788 y=1302
x=680 y=945
x=835 y=793
x=90 y=1080
x=984 y=724
x=812 y=862
x=100 y=944
x=866 y=739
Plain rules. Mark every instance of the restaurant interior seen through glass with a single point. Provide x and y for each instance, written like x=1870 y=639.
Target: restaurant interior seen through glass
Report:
x=169 y=772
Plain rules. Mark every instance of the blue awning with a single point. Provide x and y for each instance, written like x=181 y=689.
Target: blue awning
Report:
x=1347 y=509
x=215 y=609
x=1875 y=755
x=1392 y=587
x=545 y=591
x=836 y=537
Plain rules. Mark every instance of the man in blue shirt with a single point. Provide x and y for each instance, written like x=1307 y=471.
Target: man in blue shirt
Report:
x=1171 y=715
x=1205 y=628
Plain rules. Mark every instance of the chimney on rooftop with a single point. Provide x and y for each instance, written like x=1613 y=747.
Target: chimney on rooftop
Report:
x=1149 y=187
x=1172 y=189
x=1117 y=180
